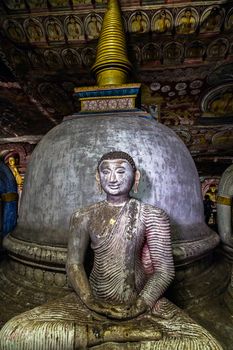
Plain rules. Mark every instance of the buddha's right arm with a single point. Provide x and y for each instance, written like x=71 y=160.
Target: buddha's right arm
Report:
x=79 y=281
x=77 y=246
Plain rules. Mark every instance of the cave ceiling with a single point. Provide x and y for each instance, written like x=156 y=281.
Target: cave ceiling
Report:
x=182 y=54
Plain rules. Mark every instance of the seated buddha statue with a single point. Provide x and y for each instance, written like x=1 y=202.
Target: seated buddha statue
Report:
x=120 y=305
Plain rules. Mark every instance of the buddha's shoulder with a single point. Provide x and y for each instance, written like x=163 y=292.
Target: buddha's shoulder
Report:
x=86 y=211
x=148 y=209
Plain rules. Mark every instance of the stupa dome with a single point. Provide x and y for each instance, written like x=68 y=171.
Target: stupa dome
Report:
x=61 y=178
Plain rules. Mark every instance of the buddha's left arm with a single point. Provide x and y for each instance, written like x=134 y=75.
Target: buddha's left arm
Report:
x=158 y=240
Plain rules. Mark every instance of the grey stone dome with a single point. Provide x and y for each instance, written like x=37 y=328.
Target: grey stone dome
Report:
x=61 y=176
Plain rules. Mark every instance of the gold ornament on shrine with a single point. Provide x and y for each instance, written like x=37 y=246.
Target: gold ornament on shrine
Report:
x=112 y=65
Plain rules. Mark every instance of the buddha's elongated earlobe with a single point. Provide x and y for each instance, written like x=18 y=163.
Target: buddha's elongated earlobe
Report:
x=97 y=179
x=136 y=181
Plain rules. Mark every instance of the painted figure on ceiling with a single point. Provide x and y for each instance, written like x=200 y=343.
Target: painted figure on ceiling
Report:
x=212 y=21
x=139 y=24
x=71 y=57
x=187 y=22
x=217 y=49
x=36 y=59
x=74 y=30
x=34 y=31
x=195 y=50
x=88 y=56
x=52 y=59
x=54 y=31
x=18 y=59
x=14 y=31
x=173 y=51
x=163 y=23
x=93 y=27
x=151 y=52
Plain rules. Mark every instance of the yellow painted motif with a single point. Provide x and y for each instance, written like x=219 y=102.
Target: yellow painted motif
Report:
x=224 y=200
x=9 y=197
x=112 y=221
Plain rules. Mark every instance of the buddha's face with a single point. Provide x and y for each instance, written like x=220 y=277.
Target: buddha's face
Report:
x=116 y=176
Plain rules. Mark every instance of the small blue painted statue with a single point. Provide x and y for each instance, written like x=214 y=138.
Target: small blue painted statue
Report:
x=9 y=200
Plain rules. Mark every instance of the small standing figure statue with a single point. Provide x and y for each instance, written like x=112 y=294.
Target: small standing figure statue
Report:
x=18 y=177
x=120 y=305
x=15 y=171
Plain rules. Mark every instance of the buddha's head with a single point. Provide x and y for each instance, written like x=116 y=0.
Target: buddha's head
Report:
x=93 y=18
x=138 y=16
x=188 y=13
x=117 y=173
x=11 y=161
x=162 y=14
x=72 y=20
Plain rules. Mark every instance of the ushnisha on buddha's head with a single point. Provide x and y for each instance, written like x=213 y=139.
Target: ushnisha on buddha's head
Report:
x=117 y=175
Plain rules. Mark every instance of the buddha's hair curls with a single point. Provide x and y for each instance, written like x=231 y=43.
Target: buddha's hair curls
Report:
x=118 y=155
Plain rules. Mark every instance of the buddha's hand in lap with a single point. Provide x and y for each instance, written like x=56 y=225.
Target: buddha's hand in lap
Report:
x=139 y=307
x=118 y=311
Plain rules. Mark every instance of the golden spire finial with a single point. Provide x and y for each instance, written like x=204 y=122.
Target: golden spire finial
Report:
x=112 y=65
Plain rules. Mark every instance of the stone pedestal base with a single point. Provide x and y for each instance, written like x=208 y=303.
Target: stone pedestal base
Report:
x=24 y=286
x=200 y=280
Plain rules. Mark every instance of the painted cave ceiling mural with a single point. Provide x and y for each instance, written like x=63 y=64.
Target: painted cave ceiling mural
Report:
x=182 y=53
